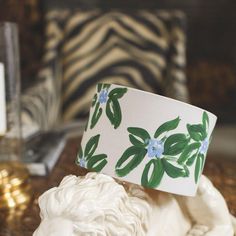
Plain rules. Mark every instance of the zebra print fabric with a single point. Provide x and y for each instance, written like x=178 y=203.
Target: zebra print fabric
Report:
x=142 y=49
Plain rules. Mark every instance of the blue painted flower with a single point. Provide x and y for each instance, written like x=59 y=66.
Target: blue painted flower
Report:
x=155 y=148
x=82 y=162
x=204 y=146
x=103 y=96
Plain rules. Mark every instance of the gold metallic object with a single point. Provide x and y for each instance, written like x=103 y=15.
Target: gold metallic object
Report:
x=15 y=188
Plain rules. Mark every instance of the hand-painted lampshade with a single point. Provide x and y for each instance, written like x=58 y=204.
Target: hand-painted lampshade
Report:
x=146 y=139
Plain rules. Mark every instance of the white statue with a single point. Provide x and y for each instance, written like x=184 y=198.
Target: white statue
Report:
x=97 y=205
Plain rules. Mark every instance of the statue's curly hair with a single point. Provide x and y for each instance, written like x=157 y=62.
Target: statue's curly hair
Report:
x=93 y=205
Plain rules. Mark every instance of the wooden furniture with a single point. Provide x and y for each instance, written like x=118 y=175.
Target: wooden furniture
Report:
x=23 y=222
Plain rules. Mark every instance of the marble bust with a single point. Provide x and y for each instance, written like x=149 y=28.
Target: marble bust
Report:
x=98 y=205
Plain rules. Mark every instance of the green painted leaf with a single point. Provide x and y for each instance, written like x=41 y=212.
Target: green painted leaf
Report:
x=135 y=141
x=138 y=136
x=95 y=97
x=130 y=159
x=187 y=173
x=188 y=151
x=173 y=170
x=175 y=144
x=167 y=126
x=203 y=160
x=96 y=115
x=196 y=132
x=117 y=93
x=80 y=154
x=91 y=146
x=99 y=87
x=97 y=162
x=191 y=160
x=113 y=112
x=157 y=173
x=198 y=168
x=205 y=121
x=106 y=86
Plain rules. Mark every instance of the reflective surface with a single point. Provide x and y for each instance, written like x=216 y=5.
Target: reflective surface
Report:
x=15 y=189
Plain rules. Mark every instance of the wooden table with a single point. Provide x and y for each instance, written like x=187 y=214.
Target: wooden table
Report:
x=23 y=222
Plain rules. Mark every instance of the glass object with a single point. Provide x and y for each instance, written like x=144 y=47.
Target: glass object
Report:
x=10 y=140
x=14 y=178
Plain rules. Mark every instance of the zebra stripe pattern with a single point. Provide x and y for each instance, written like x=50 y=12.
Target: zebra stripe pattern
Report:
x=143 y=49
